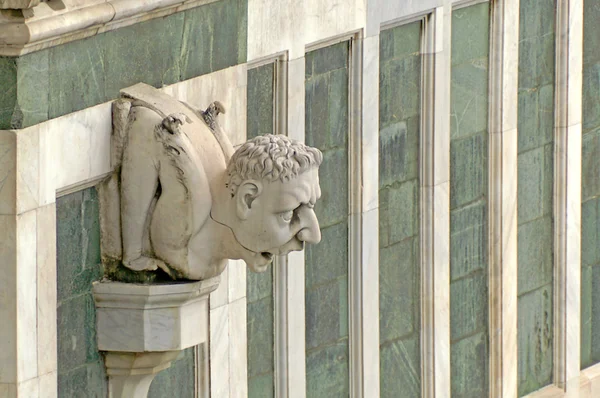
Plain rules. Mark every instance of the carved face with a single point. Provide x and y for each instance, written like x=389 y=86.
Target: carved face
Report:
x=276 y=218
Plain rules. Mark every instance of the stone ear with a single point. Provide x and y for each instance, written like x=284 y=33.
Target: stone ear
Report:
x=246 y=193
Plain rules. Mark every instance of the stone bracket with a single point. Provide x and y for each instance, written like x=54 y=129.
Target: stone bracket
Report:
x=143 y=328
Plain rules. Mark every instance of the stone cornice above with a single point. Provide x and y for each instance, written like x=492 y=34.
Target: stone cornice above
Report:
x=57 y=22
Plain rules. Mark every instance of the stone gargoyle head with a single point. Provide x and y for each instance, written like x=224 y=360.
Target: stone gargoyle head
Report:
x=181 y=201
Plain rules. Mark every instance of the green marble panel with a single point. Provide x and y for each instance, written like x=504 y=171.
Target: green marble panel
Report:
x=178 y=380
x=260 y=337
x=469 y=113
x=77 y=79
x=326 y=313
x=400 y=373
x=8 y=91
x=398 y=285
x=261 y=386
x=400 y=43
x=468 y=242
x=259 y=286
x=88 y=381
x=535 y=340
x=590 y=187
x=468 y=201
x=53 y=82
x=33 y=89
x=399 y=89
x=590 y=166
x=327 y=371
x=214 y=37
x=329 y=255
x=147 y=52
x=469 y=370
x=399 y=151
x=399 y=169
x=535 y=193
x=468 y=306
x=468 y=169
x=80 y=365
x=535 y=252
x=326 y=277
x=260 y=96
x=326 y=60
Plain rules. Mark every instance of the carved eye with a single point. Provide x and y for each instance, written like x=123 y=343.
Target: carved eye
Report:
x=287 y=216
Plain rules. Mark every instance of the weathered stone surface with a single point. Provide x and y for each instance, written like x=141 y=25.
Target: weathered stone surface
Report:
x=326 y=313
x=332 y=208
x=327 y=59
x=8 y=94
x=157 y=43
x=535 y=182
x=77 y=76
x=400 y=371
x=213 y=37
x=469 y=106
x=468 y=239
x=327 y=371
x=85 y=381
x=535 y=254
x=470 y=33
x=328 y=259
x=260 y=96
x=398 y=291
x=399 y=151
x=259 y=285
x=468 y=169
x=469 y=370
x=402 y=208
x=260 y=337
x=399 y=90
x=78 y=243
x=590 y=165
x=535 y=340
x=400 y=41
x=178 y=380
x=261 y=386
x=469 y=306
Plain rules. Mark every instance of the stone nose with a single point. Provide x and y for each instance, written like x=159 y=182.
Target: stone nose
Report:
x=310 y=232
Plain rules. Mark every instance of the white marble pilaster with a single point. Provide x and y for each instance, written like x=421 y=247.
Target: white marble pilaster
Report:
x=435 y=205
x=502 y=230
x=368 y=301
x=567 y=195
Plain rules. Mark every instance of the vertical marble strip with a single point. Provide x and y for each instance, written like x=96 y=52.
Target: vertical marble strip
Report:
x=327 y=106
x=502 y=211
x=567 y=191
x=590 y=188
x=469 y=201
x=536 y=195
x=399 y=137
x=292 y=280
x=435 y=204
x=369 y=261
x=260 y=309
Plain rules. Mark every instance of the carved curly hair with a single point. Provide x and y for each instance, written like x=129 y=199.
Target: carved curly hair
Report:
x=271 y=158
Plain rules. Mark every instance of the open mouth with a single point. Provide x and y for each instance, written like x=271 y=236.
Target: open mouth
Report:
x=267 y=256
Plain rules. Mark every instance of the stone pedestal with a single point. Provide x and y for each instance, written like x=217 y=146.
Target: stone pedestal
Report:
x=143 y=328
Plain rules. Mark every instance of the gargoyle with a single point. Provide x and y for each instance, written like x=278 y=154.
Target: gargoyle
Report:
x=185 y=202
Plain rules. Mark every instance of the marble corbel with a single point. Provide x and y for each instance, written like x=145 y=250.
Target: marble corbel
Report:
x=180 y=203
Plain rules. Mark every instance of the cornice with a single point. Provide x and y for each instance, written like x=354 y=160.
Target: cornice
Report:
x=56 y=22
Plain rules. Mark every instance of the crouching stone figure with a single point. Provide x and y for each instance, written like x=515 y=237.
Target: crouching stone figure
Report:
x=186 y=202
